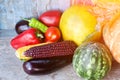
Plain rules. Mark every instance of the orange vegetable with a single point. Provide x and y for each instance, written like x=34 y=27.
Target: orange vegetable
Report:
x=105 y=10
x=111 y=36
x=92 y=2
x=82 y=2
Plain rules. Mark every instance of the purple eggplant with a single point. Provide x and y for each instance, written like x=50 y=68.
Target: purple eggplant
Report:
x=21 y=26
x=46 y=65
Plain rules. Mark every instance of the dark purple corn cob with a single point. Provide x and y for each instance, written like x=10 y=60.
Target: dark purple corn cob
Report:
x=63 y=48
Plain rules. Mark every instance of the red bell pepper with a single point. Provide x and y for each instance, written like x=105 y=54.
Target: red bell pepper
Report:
x=28 y=37
x=51 y=18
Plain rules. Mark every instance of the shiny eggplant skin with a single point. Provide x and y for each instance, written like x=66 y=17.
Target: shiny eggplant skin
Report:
x=21 y=26
x=46 y=65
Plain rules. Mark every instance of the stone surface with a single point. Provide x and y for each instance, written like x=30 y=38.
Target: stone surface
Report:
x=11 y=66
x=11 y=11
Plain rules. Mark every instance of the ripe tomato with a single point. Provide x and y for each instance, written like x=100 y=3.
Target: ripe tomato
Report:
x=51 y=18
x=52 y=34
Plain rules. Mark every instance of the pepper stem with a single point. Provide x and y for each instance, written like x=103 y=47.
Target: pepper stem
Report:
x=40 y=36
x=26 y=19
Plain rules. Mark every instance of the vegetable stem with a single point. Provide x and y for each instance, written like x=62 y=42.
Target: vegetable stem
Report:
x=40 y=35
x=26 y=19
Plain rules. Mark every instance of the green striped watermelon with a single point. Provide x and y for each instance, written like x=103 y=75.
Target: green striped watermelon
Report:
x=92 y=61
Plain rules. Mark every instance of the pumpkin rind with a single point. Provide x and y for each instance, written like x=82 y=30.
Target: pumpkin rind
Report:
x=92 y=61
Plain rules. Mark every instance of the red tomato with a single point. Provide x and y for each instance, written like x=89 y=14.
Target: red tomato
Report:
x=52 y=34
x=51 y=18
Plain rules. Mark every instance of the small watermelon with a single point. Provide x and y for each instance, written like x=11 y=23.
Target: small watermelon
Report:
x=92 y=60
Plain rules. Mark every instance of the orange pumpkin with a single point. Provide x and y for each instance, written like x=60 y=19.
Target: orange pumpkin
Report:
x=111 y=36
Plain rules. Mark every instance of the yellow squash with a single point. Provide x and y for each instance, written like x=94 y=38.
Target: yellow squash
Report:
x=77 y=23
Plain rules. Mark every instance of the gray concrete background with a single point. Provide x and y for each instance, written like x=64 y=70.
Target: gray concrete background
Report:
x=11 y=11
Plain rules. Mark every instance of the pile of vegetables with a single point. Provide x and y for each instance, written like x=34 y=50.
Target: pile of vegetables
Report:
x=107 y=13
x=86 y=35
x=42 y=33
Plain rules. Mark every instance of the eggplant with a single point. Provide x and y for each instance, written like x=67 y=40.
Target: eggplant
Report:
x=21 y=26
x=46 y=65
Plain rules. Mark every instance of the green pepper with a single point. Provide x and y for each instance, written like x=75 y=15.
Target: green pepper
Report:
x=34 y=23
